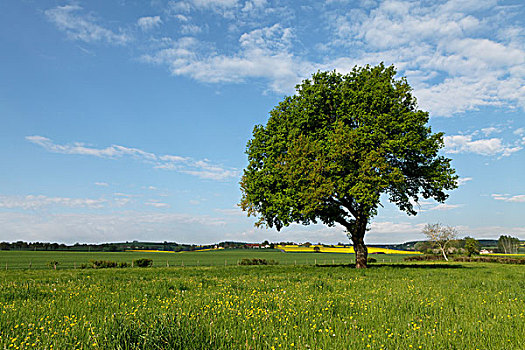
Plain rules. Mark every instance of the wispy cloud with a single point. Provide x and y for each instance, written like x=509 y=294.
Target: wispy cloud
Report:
x=149 y=23
x=84 y=27
x=123 y=226
x=486 y=147
x=203 y=169
x=258 y=50
x=464 y=180
x=157 y=204
x=41 y=201
x=446 y=206
x=508 y=198
x=102 y=184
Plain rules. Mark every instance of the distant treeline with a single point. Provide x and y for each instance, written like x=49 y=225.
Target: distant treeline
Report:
x=121 y=246
x=177 y=247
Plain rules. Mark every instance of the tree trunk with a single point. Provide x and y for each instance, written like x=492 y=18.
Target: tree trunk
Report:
x=444 y=255
x=361 y=252
x=360 y=249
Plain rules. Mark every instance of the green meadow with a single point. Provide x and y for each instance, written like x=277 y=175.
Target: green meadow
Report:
x=286 y=306
x=70 y=260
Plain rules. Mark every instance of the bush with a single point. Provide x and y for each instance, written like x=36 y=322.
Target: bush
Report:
x=143 y=262
x=102 y=264
x=53 y=264
x=371 y=260
x=123 y=264
x=426 y=257
x=493 y=259
x=256 y=261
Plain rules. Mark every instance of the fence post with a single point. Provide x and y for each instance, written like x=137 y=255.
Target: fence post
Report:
x=295 y=262
x=167 y=263
x=6 y=266
x=182 y=263
x=315 y=262
x=30 y=264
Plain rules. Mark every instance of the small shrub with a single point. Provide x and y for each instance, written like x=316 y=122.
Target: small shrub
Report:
x=123 y=264
x=143 y=262
x=53 y=264
x=102 y=264
x=426 y=257
x=371 y=260
x=492 y=259
x=256 y=261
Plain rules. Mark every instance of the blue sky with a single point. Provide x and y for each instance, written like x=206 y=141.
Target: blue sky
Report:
x=124 y=120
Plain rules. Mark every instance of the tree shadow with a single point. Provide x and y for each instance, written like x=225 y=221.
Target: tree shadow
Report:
x=399 y=266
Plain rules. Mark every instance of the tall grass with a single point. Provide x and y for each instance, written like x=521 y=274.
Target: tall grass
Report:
x=439 y=306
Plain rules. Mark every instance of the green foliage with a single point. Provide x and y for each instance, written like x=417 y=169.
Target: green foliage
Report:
x=255 y=261
x=103 y=264
x=371 y=260
x=423 y=246
x=144 y=262
x=53 y=264
x=328 y=152
x=493 y=259
x=508 y=244
x=472 y=246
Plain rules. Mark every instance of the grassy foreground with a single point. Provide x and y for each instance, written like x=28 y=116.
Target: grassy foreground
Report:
x=468 y=306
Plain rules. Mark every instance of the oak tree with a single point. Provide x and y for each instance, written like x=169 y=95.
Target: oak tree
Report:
x=330 y=151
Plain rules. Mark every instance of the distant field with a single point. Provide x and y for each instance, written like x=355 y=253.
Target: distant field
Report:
x=67 y=260
x=419 y=306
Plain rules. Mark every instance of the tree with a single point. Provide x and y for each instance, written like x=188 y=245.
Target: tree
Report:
x=508 y=244
x=441 y=236
x=328 y=152
x=472 y=246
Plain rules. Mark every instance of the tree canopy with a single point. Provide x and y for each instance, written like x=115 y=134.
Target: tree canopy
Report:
x=330 y=151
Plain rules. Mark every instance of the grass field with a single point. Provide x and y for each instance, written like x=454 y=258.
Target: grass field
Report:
x=425 y=306
x=67 y=260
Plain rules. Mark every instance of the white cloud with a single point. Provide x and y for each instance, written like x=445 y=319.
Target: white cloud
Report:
x=149 y=23
x=486 y=147
x=490 y=130
x=263 y=53
x=156 y=204
x=102 y=184
x=41 y=201
x=190 y=29
x=203 y=169
x=73 y=227
x=520 y=198
x=215 y=3
x=464 y=180
x=447 y=40
x=458 y=55
x=83 y=27
x=445 y=206
x=519 y=131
